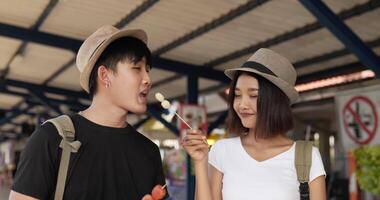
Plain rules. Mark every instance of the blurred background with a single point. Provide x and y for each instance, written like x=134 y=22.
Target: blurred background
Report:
x=333 y=44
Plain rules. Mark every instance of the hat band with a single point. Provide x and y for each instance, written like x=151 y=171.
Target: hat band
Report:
x=259 y=67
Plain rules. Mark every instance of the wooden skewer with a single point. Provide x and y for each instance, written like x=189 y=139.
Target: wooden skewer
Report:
x=166 y=105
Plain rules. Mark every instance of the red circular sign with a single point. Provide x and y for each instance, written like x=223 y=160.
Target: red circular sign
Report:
x=353 y=119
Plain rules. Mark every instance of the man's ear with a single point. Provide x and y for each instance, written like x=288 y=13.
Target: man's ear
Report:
x=104 y=75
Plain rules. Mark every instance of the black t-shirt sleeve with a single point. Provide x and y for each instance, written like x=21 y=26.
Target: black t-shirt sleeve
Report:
x=37 y=169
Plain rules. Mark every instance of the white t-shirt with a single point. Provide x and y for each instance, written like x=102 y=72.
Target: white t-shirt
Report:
x=244 y=178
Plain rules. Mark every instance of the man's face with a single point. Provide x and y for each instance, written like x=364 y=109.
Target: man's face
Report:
x=130 y=86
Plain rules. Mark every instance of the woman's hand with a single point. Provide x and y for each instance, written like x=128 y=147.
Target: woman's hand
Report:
x=195 y=144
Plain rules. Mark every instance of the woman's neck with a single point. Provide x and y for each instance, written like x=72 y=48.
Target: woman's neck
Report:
x=251 y=140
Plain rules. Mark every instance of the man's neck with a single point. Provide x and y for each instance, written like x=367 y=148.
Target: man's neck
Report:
x=104 y=113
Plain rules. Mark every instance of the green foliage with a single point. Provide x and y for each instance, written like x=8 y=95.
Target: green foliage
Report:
x=368 y=168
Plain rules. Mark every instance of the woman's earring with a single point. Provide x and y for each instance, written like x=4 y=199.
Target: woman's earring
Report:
x=107 y=84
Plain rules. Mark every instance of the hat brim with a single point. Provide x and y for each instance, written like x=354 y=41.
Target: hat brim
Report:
x=85 y=74
x=289 y=90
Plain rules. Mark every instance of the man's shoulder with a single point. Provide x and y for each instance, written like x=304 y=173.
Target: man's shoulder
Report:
x=145 y=140
x=46 y=130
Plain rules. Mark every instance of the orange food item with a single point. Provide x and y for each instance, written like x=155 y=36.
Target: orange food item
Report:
x=158 y=192
x=147 y=197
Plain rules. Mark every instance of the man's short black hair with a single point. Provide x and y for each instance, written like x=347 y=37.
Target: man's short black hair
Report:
x=124 y=49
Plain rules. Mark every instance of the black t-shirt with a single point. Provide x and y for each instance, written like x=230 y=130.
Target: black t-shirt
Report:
x=112 y=163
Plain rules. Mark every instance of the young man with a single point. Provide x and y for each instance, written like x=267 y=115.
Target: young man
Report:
x=114 y=160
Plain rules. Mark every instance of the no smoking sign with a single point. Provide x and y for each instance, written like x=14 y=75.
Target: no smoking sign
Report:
x=360 y=119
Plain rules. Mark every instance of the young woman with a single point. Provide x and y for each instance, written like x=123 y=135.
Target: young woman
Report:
x=259 y=163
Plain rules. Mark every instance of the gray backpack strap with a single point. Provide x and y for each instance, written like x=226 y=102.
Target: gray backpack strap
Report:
x=66 y=130
x=302 y=163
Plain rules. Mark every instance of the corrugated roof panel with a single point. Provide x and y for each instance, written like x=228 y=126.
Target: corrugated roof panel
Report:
x=329 y=64
x=366 y=26
x=307 y=46
x=38 y=62
x=79 y=18
x=68 y=79
x=326 y=65
x=233 y=63
x=337 y=6
x=21 y=12
x=264 y=22
x=171 y=19
x=9 y=101
x=323 y=41
x=8 y=47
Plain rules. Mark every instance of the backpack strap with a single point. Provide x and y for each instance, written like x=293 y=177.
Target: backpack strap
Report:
x=66 y=130
x=302 y=163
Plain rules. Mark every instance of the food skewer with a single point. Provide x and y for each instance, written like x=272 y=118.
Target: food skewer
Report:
x=166 y=105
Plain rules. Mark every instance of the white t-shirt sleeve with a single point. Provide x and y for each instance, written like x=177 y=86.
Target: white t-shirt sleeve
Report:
x=215 y=156
x=317 y=168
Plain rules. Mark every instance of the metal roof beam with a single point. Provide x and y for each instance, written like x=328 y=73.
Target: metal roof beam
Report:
x=157 y=115
x=74 y=44
x=220 y=120
x=328 y=56
x=54 y=102
x=36 y=36
x=21 y=48
x=355 y=11
x=346 y=14
x=329 y=73
x=141 y=122
x=135 y=13
x=188 y=69
x=42 y=88
x=44 y=101
x=14 y=113
x=343 y=33
x=123 y=22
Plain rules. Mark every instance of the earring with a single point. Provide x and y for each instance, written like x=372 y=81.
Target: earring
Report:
x=107 y=85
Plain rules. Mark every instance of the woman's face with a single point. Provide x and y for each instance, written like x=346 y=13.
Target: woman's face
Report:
x=245 y=100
